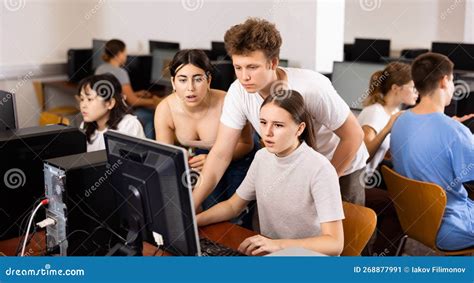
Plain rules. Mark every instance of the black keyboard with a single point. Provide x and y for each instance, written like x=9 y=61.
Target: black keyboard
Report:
x=210 y=248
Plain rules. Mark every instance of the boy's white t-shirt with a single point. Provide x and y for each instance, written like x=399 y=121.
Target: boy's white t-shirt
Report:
x=377 y=118
x=128 y=125
x=328 y=109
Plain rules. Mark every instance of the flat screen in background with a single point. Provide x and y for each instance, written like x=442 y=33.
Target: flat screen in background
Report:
x=351 y=81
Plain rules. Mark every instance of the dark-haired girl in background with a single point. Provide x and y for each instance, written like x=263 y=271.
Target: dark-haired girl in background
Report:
x=102 y=108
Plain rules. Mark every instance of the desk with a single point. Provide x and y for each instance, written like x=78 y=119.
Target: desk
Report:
x=224 y=233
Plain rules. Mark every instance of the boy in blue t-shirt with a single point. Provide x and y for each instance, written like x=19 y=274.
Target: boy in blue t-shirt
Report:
x=429 y=146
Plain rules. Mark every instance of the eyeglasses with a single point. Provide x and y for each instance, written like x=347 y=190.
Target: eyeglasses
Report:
x=197 y=80
x=413 y=88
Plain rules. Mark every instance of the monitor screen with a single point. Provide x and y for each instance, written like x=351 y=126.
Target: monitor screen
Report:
x=461 y=54
x=153 y=44
x=351 y=81
x=370 y=50
x=8 y=118
x=97 y=52
x=162 y=53
x=218 y=51
x=153 y=190
x=161 y=59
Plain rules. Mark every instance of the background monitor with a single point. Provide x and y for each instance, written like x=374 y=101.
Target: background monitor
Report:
x=223 y=75
x=351 y=81
x=162 y=53
x=154 y=193
x=283 y=63
x=218 y=51
x=139 y=71
x=8 y=117
x=461 y=54
x=23 y=178
x=97 y=52
x=370 y=50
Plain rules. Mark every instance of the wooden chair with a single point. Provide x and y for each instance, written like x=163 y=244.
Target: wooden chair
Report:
x=56 y=115
x=420 y=208
x=359 y=225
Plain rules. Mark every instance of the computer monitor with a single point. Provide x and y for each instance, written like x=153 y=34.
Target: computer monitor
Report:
x=8 y=117
x=351 y=81
x=223 y=75
x=284 y=63
x=370 y=50
x=462 y=54
x=22 y=152
x=162 y=53
x=218 y=51
x=138 y=68
x=97 y=52
x=153 y=193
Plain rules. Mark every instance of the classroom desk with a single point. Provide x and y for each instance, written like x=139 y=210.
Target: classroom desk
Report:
x=225 y=233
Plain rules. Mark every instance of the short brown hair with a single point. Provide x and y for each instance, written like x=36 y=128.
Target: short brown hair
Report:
x=253 y=35
x=428 y=69
x=395 y=73
x=112 y=48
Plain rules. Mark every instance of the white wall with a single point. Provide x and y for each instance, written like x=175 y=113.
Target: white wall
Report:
x=409 y=24
x=41 y=31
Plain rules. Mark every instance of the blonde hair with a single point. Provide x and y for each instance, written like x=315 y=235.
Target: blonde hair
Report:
x=381 y=82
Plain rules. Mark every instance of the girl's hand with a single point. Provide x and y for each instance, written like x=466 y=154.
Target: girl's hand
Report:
x=259 y=244
x=197 y=162
x=463 y=118
x=392 y=120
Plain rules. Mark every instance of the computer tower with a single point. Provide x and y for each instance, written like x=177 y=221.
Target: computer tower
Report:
x=22 y=153
x=79 y=64
x=82 y=203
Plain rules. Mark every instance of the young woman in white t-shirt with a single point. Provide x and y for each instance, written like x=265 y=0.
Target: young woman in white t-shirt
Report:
x=388 y=90
x=102 y=108
x=296 y=188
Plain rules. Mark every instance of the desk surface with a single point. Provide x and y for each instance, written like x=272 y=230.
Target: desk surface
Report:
x=225 y=233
